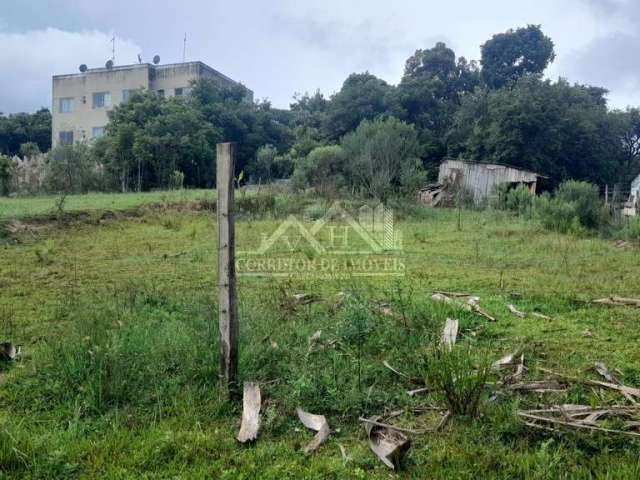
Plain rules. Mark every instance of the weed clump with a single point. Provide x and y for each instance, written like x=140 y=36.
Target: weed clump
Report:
x=460 y=375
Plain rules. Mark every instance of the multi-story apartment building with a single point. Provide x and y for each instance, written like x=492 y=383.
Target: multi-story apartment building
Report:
x=81 y=101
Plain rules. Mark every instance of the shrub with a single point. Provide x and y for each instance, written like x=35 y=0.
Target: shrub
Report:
x=257 y=205
x=556 y=215
x=383 y=158
x=7 y=172
x=585 y=199
x=73 y=169
x=631 y=230
x=176 y=180
x=518 y=199
x=575 y=207
x=322 y=169
x=460 y=374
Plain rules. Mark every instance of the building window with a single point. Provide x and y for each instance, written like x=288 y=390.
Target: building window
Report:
x=66 y=138
x=101 y=100
x=66 y=105
x=182 y=91
x=127 y=94
x=161 y=93
x=97 y=132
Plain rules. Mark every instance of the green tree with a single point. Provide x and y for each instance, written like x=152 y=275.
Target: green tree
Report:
x=19 y=128
x=383 y=158
x=265 y=163
x=362 y=97
x=251 y=125
x=554 y=129
x=508 y=56
x=630 y=125
x=430 y=93
x=29 y=150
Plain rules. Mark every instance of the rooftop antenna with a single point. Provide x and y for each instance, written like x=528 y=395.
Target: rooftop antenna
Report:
x=113 y=49
x=184 y=48
x=139 y=58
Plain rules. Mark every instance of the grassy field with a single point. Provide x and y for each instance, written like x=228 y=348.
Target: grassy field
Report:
x=46 y=204
x=118 y=325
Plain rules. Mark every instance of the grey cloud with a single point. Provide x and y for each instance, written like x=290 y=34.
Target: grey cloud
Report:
x=608 y=60
x=37 y=54
x=278 y=48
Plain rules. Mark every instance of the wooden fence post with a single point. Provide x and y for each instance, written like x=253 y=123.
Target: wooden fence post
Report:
x=227 y=308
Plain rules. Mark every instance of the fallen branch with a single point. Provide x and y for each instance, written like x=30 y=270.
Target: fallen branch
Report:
x=629 y=392
x=374 y=421
x=618 y=301
x=577 y=425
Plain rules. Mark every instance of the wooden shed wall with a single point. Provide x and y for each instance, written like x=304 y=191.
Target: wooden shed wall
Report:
x=482 y=179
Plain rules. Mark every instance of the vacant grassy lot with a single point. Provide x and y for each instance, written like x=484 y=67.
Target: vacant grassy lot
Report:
x=118 y=322
x=47 y=204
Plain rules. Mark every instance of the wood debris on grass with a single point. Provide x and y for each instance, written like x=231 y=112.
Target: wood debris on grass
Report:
x=389 y=443
x=520 y=314
x=413 y=380
x=513 y=363
x=508 y=360
x=304 y=298
x=616 y=301
x=512 y=308
x=469 y=303
x=251 y=402
x=580 y=417
x=9 y=352
x=450 y=333
x=630 y=393
x=417 y=391
x=605 y=373
x=542 y=386
x=317 y=423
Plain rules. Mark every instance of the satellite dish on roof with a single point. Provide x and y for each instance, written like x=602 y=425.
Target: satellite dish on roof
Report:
x=109 y=64
x=156 y=59
x=83 y=68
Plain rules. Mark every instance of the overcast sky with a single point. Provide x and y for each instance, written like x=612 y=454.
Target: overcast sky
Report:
x=280 y=47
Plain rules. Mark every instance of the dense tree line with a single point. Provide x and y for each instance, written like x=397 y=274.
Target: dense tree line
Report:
x=499 y=109
x=19 y=129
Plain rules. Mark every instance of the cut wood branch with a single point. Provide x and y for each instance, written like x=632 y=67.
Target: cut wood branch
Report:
x=388 y=443
x=470 y=304
x=251 y=401
x=538 y=387
x=397 y=372
x=512 y=308
x=450 y=333
x=618 y=301
x=630 y=393
x=549 y=418
x=603 y=370
x=317 y=423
